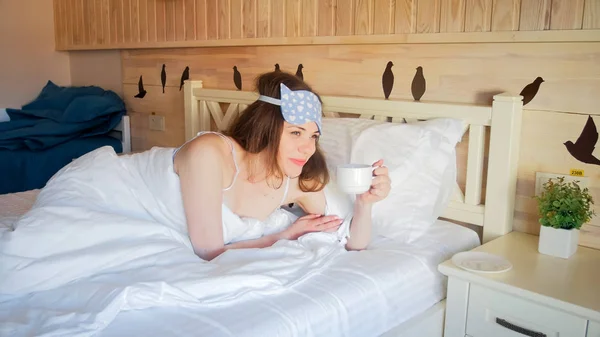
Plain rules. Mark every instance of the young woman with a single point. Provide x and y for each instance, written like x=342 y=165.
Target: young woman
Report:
x=269 y=157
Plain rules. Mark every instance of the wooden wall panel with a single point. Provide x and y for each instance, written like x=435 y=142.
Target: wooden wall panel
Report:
x=98 y=24
x=591 y=14
x=535 y=14
x=452 y=17
x=505 y=15
x=461 y=73
x=479 y=16
x=566 y=14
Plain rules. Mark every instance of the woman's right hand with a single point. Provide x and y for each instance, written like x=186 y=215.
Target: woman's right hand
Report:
x=312 y=223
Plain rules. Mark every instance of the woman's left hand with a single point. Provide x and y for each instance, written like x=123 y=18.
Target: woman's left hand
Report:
x=380 y=187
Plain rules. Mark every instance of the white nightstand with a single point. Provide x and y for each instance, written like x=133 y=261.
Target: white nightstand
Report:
x=540 y=296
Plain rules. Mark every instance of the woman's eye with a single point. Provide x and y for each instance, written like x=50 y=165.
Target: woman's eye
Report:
x=316 y=137
x=296 y=133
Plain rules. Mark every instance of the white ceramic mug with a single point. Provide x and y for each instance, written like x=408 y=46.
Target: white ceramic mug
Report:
x=354 y=178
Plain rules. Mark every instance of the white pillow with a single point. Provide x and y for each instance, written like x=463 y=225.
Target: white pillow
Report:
x=338 y=136
x=421 y=158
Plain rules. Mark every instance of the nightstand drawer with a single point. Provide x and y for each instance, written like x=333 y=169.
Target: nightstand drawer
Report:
x=495 y=314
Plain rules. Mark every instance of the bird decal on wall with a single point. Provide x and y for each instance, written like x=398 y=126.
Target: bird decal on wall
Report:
x=531 y=90
x=419 y=84
x=299 y=71
x=584 y=147
x=141 y=92
x=163 y=77
x=237 y=78
x=277 y=67
x=387 y=80
x=184 y=77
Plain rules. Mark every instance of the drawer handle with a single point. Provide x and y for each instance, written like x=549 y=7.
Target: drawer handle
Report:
x=519 y=329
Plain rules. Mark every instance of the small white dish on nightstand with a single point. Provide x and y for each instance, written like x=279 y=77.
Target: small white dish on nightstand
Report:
x=481 y=262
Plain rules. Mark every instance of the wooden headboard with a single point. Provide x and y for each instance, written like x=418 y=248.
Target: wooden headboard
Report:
x=503 y=118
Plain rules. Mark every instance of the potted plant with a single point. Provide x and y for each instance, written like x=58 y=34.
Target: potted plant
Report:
x=563 y=208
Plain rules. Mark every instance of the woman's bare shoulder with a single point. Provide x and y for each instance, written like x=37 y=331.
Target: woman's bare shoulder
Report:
x=208 y=147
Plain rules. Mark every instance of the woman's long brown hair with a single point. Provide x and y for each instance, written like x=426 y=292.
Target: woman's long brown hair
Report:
x=259 y=127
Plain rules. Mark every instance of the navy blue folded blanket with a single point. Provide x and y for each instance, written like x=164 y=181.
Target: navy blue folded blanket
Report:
x=60 y=114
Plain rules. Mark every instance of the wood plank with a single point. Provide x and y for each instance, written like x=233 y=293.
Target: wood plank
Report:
x=143 y=19
x=190 y=13
x=591 y=14
x=223 y=19
x=278 y=18
x=292 y=18
x=428 y=16
x=161 y=20
x=535 y=15
x=566 y=14
x=235 y=16
x=105 y=13
x=180 y=20
x=127 y=27
x=363 y=22
x=116 y=23
x=89 y=21
x=249 y=17
x=212 y=19
x=344 y=19
x=452 y=16
x=308 y=19
x=263 y=19
x=383 y=16
x=60 y=24
x=505 y=15
x=170 y=21
x=479 y=16
x=151 y=19
x=326 y=19
x=201 y=20
x=405 y=17
x=135 y=20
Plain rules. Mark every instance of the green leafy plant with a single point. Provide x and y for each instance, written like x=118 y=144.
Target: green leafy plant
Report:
x=564 y=205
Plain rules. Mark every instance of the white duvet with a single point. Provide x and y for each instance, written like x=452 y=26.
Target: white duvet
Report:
x=107 y=235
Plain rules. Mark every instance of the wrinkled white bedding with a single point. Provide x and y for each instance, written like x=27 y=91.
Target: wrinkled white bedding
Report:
x=107 y=236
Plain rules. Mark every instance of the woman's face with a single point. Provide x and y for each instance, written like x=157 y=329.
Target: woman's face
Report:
x=298 y=144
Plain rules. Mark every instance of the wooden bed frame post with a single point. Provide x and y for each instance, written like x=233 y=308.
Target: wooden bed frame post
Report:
x=194 y=122
x=505 y=138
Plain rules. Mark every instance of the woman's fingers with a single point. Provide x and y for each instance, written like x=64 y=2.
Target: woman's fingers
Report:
x=380 y=180
x=332 y=229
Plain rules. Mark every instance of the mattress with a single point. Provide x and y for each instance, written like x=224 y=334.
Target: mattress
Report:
x=363 y=299
x=13 y=205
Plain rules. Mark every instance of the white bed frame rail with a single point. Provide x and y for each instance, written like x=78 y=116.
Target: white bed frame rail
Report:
x=503 y=118
x=123 y=133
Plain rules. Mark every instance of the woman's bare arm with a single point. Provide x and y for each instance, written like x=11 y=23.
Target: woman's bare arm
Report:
x=200 y=169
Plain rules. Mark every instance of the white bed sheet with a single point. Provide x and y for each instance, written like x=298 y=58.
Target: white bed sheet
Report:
x=345 y=300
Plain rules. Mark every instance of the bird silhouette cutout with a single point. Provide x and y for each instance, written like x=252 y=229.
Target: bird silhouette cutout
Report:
x=531 y=90
x=583 y=148
x=141 y=92
x=277 y=67
x=237 y=78
x=184 y=77
x=419 y=85
x=387 y=80
x=163 y=77
x=299 y=71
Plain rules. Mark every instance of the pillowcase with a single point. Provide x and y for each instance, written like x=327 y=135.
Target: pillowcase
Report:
x=338 y=136
x=421 y=158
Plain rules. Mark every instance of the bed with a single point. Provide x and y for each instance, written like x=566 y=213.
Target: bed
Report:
x=391 y=289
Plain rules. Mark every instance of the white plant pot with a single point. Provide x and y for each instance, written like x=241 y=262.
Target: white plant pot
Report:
x=558 y=242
